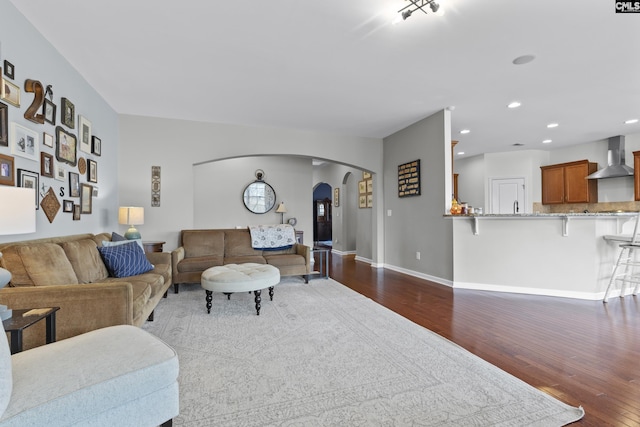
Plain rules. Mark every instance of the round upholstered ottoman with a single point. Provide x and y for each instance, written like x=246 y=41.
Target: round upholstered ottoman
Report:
x=246 y=277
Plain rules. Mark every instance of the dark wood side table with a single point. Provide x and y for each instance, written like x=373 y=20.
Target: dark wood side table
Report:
x=153 y=246
x=18 y=323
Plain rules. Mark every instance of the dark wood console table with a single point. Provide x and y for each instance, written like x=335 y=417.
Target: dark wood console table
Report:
x=18 y=323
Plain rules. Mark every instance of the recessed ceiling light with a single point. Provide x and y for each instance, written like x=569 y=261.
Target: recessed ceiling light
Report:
x=460 y=153
x=552 y=125
x=514 y=104
x=546 y=141
x=465 y=131
x=524 y=59
x=631 y=121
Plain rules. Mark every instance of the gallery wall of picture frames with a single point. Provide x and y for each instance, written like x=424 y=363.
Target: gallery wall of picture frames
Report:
x=365 y=191
x=58 y=142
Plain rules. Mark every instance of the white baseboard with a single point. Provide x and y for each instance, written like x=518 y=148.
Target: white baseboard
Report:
x=420 y=275
x=342 y=253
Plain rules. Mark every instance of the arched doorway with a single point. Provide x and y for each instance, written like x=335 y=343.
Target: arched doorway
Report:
x=322 y=225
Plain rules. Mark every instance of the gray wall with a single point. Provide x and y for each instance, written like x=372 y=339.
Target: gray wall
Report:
x=178 y=145
x=416 y=223
x=35 y=58
x=218 y=187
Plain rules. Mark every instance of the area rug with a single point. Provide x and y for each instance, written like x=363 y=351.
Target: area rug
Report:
x=321 y=354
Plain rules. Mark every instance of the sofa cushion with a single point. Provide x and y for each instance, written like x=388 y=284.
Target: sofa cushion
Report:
x=85 y=260
x=199 y=243
x=285 y=260
x=199 y=263
x=83 y=380
x=115 y=237
x=125 y=260
x=6 y=378
x=237 y=243
x=47 y=264
x=258 y=259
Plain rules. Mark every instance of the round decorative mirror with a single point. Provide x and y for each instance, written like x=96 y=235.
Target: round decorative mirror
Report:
x=259 y=197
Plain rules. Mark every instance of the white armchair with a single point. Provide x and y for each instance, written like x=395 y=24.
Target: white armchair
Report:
x=115 y=376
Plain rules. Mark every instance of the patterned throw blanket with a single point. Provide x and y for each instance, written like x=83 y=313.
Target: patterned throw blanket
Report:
x=272 y=237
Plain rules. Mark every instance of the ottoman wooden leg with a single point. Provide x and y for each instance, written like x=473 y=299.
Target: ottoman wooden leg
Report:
x=271 y=293
x=258 y=299
x=209 y=297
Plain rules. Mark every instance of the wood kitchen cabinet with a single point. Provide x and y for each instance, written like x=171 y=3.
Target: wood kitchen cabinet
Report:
x=567 y=183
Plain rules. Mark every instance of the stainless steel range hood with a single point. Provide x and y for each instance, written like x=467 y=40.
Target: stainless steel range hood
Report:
x=615 y=158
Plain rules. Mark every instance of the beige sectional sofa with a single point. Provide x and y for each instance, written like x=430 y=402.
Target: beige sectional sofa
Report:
x=202 y=249
x=69 y=272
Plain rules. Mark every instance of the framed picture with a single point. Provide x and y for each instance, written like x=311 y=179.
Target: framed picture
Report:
x=24 y=142
x=362 y=187
x=68 y=114
x=336 y=197
x=49 y=111
x=369 y=200
x=10 y=93
x=61 y=173
x=4 y=125
x=65 y=146
x=362 y=201
x=96 y=146
x=95 y=191
x=369 y=186
x=74 y=184
x=47 y=139
x=7 y=176
x=67 y=206
x=9 y=69
x=366 y=175
x=92 y=171
x=84 y=132
x=46 y=164
x=76 y=212
x=29 y=179
x=86 y=195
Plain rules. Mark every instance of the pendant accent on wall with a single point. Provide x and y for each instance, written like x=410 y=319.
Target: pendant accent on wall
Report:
x=155 y=186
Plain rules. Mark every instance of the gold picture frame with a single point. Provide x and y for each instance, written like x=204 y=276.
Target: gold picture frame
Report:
x=362 y=201
x=10 y=92
x=336 y=197
x=362 y=187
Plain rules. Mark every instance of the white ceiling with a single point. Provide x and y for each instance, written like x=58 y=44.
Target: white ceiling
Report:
x=342 y=67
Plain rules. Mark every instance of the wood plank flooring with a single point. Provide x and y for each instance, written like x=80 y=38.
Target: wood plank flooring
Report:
x=581 y=352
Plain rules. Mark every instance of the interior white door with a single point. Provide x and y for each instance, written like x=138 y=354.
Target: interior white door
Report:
x=507 y=196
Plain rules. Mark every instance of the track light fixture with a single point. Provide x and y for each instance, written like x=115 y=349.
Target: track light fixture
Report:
x=418 y=5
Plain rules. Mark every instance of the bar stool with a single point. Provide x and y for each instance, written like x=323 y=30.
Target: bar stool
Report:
x=625 y=268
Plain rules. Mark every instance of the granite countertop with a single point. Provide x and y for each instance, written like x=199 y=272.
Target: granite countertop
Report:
x=550 y=215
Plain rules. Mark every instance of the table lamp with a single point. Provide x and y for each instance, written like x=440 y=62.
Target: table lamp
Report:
x=17 y=216
x=281 y=210
x=131 y=216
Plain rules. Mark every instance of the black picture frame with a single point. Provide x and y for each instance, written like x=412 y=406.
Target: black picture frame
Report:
x=4 y=125
x=49 y=111
x=9 y=69
x=67 y=206
x=92 y=171
x=68 y=114
x=96 y=145
x=66 y=146
x=30 y=179
x=74 y=184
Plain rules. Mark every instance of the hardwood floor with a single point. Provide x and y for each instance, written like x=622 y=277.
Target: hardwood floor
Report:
x=581 y=352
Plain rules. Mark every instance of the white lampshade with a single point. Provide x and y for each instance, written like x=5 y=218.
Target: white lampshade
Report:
x=131 y=215
x=17 y=216
x=281 y=208
x=18 y=212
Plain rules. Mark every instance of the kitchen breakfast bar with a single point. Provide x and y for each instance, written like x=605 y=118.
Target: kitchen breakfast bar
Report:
x=557 y=254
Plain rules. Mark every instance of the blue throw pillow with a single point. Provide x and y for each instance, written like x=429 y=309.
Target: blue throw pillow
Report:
x=125 y=260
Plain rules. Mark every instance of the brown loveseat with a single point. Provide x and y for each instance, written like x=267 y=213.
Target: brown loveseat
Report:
x=201 y=249
x=68 y=272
